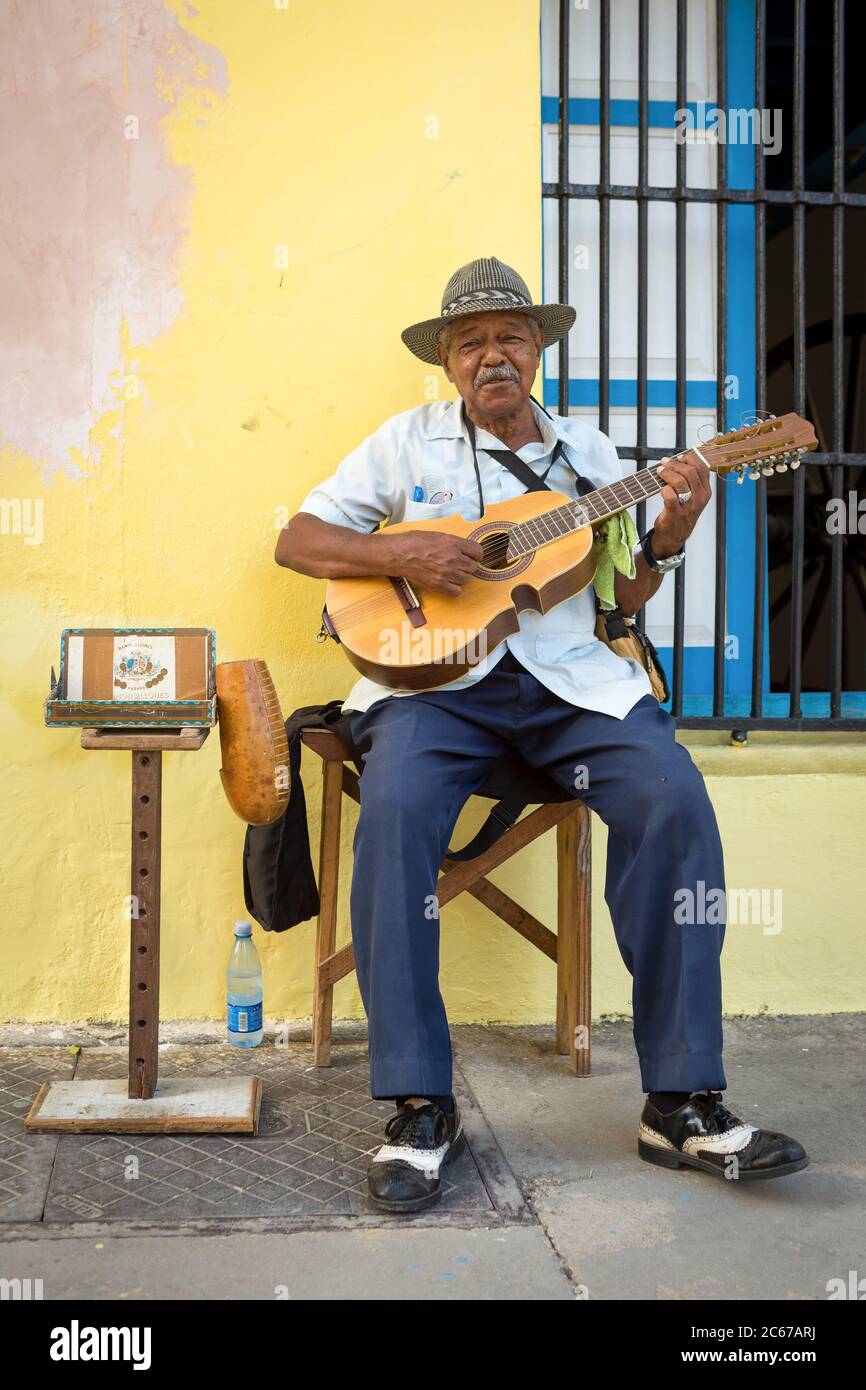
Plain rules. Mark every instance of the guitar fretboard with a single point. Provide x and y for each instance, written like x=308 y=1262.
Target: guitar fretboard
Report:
x=585 y=511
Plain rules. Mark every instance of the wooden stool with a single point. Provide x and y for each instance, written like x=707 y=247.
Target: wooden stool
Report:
x=569 y=947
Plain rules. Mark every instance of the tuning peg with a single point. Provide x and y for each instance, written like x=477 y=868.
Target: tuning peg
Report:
x=741 y=477
x=795 y=462
x=767 y=469
x=754 y=473
x=782 y=465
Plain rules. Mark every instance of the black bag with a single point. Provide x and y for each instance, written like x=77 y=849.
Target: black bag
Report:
x=279 y=884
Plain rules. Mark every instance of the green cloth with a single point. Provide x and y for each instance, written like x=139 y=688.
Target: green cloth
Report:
x=613 y=550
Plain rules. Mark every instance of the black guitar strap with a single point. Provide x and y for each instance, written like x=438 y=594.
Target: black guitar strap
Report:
x=531 y=480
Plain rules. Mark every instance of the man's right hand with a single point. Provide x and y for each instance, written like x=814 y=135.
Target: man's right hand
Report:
x=433 y=559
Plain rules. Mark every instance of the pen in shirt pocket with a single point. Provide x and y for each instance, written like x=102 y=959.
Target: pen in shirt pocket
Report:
x=434 y=498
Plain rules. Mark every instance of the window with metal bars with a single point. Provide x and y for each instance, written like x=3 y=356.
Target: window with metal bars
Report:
x=704 y=168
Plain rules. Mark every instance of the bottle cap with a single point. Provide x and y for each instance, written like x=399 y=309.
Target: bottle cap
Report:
x=243 y=928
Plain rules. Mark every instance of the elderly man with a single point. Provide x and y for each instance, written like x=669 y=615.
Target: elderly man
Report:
x=560 y=696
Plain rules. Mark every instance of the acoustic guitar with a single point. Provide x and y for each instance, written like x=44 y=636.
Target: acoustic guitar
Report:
x=537 y=553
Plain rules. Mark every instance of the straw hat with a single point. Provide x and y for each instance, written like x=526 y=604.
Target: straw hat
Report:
x=480 y=287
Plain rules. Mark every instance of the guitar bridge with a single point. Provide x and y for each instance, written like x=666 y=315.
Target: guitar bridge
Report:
x=409 y=601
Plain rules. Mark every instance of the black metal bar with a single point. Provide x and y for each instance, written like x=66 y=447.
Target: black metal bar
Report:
x=798 y=491
x=837 y=570
x=760 y=369
x=564 y=202
x=642 y=213
x=852 y=395
x=812 y=460
x=654 y=193
x=821 y=460
x=720 y=602
x=680 y=335
x=801 y=725
x=604 y=222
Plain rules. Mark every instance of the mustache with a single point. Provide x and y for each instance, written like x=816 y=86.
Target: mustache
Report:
x=503 y=373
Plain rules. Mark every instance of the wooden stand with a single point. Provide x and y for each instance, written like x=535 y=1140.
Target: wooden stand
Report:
x=213 y=1103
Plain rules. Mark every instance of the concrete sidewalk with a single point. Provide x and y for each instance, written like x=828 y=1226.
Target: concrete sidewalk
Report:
x=551 y=1202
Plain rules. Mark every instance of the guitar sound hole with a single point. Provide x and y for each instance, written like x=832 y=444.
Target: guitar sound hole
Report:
x=495 y=547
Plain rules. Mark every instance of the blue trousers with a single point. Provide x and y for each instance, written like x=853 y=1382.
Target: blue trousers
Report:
x=424 y=755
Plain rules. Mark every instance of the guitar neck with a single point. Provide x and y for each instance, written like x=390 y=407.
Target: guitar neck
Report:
x=589 y=510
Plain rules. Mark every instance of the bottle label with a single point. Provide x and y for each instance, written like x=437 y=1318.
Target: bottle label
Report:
x=245 y=1018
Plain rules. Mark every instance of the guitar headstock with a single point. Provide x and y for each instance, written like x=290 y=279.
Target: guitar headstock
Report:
x=760 y=449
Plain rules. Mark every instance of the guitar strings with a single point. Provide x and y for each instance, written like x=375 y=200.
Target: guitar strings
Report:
x=494 y=553
x=497 y=551
x=368 y=607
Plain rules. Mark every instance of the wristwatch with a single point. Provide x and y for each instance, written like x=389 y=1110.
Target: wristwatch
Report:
x=672 y=562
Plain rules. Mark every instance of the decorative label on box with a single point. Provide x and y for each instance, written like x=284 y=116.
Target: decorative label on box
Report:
x=143 y=668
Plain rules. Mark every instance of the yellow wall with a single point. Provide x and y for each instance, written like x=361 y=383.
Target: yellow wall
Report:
x=315 y=136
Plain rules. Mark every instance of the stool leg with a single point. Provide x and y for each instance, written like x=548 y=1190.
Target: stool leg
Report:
x=326 y=927
x=573 y=947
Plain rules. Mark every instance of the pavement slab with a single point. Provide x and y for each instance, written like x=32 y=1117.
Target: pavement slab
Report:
x=396 y=1263
x=627 y=1230
x=26 y=1160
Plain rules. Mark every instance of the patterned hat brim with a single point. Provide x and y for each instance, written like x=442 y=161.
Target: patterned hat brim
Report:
x=555 y=320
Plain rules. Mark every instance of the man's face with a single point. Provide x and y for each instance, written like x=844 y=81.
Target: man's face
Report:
x=492 y=359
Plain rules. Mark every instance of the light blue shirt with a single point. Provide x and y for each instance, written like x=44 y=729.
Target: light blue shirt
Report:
x=428 y=448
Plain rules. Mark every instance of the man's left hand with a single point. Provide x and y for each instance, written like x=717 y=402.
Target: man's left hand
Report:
x=677 y=520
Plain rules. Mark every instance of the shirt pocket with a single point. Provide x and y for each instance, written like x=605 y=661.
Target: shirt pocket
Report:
x=432 y=511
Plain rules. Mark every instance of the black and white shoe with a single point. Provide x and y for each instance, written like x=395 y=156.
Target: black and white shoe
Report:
x=703 y=1134
x=404 y=1175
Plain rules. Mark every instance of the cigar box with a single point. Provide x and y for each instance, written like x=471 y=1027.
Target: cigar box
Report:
x=125 y=677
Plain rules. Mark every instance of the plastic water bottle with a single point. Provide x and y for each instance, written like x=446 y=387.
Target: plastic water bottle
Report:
x=244 y=982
